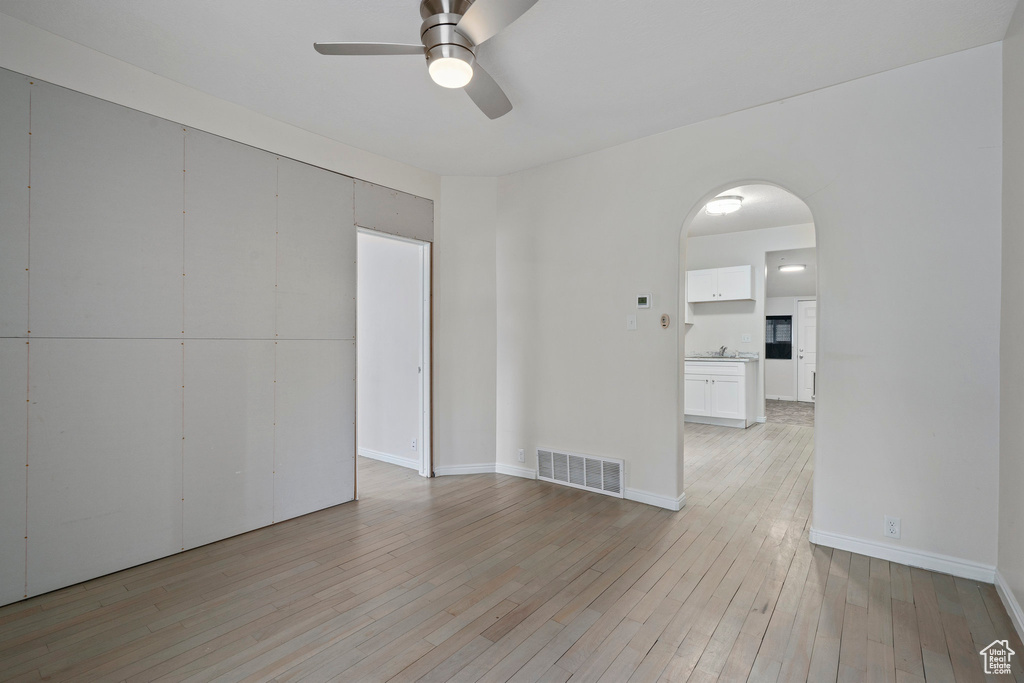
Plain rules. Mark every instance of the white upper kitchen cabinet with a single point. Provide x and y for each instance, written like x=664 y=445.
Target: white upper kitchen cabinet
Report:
x=702 y=285
x=732 y=283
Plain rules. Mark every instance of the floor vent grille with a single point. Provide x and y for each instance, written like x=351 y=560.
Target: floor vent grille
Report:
x=603 y=475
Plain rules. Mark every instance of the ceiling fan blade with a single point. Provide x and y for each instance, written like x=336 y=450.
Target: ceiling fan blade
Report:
x=486 y=17
x=487 y=94
x=367 y=49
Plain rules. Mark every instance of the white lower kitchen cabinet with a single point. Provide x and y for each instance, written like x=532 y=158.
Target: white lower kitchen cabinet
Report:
x=720 y=392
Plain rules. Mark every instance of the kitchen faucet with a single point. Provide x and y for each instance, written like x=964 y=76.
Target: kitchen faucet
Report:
x=721 y=351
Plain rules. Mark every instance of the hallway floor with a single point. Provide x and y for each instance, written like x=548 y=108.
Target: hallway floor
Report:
x=796 y=413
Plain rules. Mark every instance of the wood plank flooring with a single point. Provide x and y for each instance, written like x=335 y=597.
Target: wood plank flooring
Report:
x=494 y=578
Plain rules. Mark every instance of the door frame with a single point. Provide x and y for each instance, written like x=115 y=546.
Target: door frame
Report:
x=425 y=431
x=797 y=326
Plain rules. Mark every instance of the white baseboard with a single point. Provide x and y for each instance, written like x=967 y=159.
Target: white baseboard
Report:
x=637 y=495
x=389 y=458
x=482 y=468
x=485 y=468
x=515 y=471
x=648 y=498
x=935 y=562
x=1011 y=604
x=781 y=398
x=717 y=421
x=761 y=420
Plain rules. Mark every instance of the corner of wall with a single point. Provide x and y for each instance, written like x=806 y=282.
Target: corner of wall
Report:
x=1010 y=563
x=465 y=325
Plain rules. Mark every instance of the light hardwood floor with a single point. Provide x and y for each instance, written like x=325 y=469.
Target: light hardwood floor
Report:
x=494 y=578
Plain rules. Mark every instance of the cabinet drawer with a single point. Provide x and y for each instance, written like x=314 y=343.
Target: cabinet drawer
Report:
x=713 y=368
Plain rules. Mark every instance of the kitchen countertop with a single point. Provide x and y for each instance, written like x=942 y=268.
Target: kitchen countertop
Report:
x=723 y=359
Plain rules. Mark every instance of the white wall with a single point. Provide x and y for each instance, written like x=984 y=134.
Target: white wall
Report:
x=32 y=51
x=724 y=323
x=390 y=315
x=1011 y=461
x=893 y=167
x=465 y=326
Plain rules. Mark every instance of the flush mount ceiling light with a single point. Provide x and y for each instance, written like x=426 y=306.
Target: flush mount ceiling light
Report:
x=720 y=206
x=792 y=268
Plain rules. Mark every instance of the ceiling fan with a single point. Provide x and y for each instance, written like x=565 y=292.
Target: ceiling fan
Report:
x=451 y=32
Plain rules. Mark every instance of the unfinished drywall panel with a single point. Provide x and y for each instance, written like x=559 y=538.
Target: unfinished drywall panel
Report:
x=14 y=193
x=106 y=219
x=229 y=241
x=105 y=447
x=228 y=456
x=315 y=432
x=28 y=49
x=396 y=213
x=13 y=445
x=316 y=263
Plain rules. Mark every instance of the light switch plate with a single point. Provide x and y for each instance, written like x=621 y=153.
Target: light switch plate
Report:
x=630 y=323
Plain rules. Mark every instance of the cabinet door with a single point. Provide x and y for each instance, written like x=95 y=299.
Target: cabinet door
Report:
x=735 y=282
x=727 y=397
x=702 y=285
x=697 y=395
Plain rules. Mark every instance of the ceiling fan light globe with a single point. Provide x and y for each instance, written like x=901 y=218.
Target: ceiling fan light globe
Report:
x=450 y=72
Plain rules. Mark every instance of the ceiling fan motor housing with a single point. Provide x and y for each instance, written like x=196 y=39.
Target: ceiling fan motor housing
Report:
x=438 y=33
x=429 y=8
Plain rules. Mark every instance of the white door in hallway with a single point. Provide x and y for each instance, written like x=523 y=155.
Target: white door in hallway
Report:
x=807 y=345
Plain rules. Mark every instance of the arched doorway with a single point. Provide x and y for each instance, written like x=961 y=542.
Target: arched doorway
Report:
x=748 y=333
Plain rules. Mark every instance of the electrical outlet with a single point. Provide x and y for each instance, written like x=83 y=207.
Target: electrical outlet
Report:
x=414 y=444
x=892 y=526
x=745 y=338
x=521 y=455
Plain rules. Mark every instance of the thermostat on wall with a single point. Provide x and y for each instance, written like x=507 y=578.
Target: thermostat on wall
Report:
x=643 y=300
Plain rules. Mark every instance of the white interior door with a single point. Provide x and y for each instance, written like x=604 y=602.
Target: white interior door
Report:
x=807 y=345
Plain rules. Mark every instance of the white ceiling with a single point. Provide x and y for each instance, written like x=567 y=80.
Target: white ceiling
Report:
x=764 y=206
x=801 y=283
x=582 y=74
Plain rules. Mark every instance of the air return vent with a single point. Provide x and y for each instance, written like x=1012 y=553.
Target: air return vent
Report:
x=604 y=475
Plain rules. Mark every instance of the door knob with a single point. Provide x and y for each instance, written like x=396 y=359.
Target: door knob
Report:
x=801 y=356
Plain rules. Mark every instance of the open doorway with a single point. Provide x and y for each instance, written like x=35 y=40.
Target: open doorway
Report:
x=730 y=253
x=725 y=381
x=393 y=353
x=791 y=322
